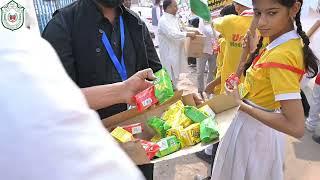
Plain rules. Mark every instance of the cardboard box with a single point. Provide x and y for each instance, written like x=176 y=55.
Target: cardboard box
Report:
x=224 y=106
x=194 y=47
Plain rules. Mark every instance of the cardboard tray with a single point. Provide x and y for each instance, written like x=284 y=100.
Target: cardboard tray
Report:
x=224 y=106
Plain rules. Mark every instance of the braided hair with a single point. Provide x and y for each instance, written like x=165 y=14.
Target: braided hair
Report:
x=253 y=56
x=310 y=60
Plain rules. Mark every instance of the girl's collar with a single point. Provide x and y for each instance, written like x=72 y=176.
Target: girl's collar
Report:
x=282 y=39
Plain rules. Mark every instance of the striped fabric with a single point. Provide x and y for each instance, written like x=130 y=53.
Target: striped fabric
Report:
x=45 y=9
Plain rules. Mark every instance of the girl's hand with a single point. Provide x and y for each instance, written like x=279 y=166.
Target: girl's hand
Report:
x=235 y=93
x=210 y=88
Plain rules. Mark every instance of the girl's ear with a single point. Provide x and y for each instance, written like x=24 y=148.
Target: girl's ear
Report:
x=295 y=9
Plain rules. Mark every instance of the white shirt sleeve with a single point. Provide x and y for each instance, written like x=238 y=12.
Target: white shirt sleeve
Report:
x=48 y=131
x=171 y=30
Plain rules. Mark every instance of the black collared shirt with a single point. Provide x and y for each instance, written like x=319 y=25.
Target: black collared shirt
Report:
x=75 y=32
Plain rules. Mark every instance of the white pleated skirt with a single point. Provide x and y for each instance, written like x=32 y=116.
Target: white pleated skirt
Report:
x=249 y=150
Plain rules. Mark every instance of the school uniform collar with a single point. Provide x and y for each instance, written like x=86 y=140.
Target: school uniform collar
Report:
x=282 y=39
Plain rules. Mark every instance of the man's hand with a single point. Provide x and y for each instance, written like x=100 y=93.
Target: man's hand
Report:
x=197 y=99
x=137 y=83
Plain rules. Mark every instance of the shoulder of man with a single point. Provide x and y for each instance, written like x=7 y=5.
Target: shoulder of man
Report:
x=131 y=14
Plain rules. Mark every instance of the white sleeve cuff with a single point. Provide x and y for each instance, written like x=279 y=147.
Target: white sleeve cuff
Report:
x=288 y=96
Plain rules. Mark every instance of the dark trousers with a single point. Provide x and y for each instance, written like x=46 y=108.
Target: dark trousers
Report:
x=147 y=170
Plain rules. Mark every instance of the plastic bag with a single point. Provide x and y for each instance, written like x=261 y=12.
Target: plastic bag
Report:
x=150 y=148
x=194 y=114
x=191 y=134
x=145 y=99
x=208 y=130
x=207 y=111
x=134 y=128
x=177 y=131
x=157 y=125
x=163 y=86
x=122 y=135
x=168 y=145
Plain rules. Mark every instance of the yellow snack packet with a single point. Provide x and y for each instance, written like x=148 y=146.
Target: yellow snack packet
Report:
x=183 y=121
x=176 y=131
x=207 y=111
x=191 y=134
x=156 y=138
x=172 y=114
x=122 y=135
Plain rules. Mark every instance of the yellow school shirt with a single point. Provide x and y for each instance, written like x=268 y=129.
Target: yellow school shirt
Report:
x=220 y=57
x=268 y=85
x=233 y=28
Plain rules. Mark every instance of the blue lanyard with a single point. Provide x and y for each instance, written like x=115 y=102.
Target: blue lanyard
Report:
x=121 y=67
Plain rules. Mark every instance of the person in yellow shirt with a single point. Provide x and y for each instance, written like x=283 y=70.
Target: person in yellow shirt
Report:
x=227 y=10
x=220 y=56
x=253 y=146
x=233 y=29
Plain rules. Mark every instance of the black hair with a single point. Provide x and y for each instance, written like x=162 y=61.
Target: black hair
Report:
x=157 y=2
x=166 y=3
x=227 y=10
x=310 y=60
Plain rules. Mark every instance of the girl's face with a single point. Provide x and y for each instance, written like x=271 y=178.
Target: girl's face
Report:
x=274 y=19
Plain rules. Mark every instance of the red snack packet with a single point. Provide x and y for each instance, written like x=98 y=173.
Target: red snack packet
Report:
x=150 y=148
x=145 y=99
x=134 y=128
x=232 y=81
x=318 y=79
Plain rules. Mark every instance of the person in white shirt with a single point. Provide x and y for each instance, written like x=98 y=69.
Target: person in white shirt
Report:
x=171 y=41
x=18 y=15
x=208 y=56
x=156 y=14
x=312 y=18
x=48 y=131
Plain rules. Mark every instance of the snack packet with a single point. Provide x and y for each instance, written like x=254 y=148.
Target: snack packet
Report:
x=155 y=138
x=145 y=99
x=150 y=148
x=207 y=111
x=194 y=114
x=183 y=121
x=122 y=135
x=232 y=81
x=157 y=125
x=176 y=131
x=191 y=134
x=134 y=128
x=163 y=86
x=208 y=130
x=168 y=145
x=173 y=114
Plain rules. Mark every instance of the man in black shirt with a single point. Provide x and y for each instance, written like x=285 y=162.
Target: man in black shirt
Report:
x=76 y=32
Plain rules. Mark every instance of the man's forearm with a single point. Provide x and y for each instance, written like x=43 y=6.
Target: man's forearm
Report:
x=102 y=96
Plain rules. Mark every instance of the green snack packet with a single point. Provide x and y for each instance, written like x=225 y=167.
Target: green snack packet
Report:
x=157 y=125
x=208 y=130
x=163 y=86
x=207 y=111
x=168 y=145
x=194 y=114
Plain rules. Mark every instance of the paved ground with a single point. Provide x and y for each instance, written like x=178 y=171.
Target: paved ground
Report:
x=302 y=156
